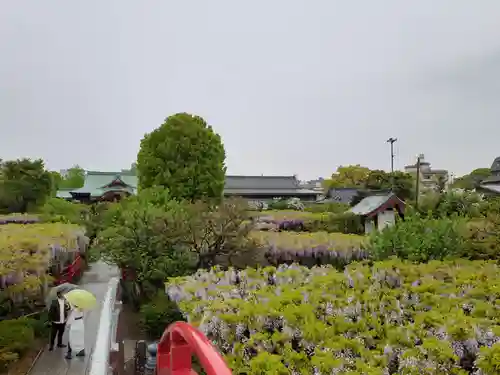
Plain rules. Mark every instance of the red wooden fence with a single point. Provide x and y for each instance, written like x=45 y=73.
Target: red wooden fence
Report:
x=176 y=347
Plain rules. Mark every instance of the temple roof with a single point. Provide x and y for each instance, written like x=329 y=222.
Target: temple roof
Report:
x=98 y=183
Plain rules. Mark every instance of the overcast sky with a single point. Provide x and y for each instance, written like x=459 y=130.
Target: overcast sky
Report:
x=292 y=86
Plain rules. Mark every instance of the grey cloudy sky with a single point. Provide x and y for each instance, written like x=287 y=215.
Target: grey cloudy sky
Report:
x=292 y=86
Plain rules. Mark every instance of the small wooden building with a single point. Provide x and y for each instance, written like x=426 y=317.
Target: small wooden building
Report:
x=379 y=211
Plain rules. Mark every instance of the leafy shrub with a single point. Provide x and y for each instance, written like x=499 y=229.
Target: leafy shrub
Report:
x=420 y=239
x=39 y=323
x=333 y=207
x=158 y=314
x=392 y=317
x=278 y=205
x=155 y=237
x=462 y=203
x=59 y=210
x=16 y=337
x=347 y=223
x=482 y=238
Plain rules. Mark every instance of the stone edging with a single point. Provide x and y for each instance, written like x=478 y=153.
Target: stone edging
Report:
x=35 y=360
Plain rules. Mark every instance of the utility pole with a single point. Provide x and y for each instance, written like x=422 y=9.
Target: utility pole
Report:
x=417 y=188
x=391 y=141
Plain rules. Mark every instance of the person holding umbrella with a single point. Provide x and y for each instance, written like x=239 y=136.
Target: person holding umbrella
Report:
x=76 y=333
x=80 y=300
x=58 y=314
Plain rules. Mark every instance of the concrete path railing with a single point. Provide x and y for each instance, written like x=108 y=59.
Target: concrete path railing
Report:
x=106 y=332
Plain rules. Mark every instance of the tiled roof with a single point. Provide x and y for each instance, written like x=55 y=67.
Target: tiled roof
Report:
x=275 y=192
x=96 y=182
x=370 y=204
x=341 y=195
x=266 y=185
x=261 y=182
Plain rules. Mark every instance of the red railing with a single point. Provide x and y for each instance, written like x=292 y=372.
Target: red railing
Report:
x=176 y=347
x=70 y=272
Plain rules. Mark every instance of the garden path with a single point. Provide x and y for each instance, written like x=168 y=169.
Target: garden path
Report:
x=95 y=280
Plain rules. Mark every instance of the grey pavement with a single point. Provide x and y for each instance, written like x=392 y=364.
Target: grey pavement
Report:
x=95 y=280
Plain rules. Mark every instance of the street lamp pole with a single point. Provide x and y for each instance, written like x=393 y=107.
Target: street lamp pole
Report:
x=391 y=141
x=417 y=188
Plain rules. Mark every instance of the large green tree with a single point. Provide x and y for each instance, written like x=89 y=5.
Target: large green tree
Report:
x=185 y=156
x=349 y=176
x=24 y=185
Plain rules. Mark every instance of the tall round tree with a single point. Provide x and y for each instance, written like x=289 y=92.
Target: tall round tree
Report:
x=184 y=155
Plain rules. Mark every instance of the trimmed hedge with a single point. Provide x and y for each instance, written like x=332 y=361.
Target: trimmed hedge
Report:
x=340 y=223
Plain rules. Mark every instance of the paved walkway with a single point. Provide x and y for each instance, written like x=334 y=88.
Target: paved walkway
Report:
x=95 y=280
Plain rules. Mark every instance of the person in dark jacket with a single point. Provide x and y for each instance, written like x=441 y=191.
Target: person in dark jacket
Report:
x=58 y=314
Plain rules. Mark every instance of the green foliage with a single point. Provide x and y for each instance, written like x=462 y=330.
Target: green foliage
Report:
x=347 y=223
x=148 y=240
x=16 y=337
x=391 y=317
x=155 y=237
x=420 y=239
x=158 y=314
x=24 y=185
x=452 y=203
x=472 y=180
x=463 y=203
x=334 y=207
x=74 y=178
x=59 y=210
x=483 y=238
x=278 y=205
x=489 y=359
x=99 y=217
x=348 y=176
x=185 y=156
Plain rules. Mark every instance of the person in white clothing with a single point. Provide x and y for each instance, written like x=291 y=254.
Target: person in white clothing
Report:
x=76 y=340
